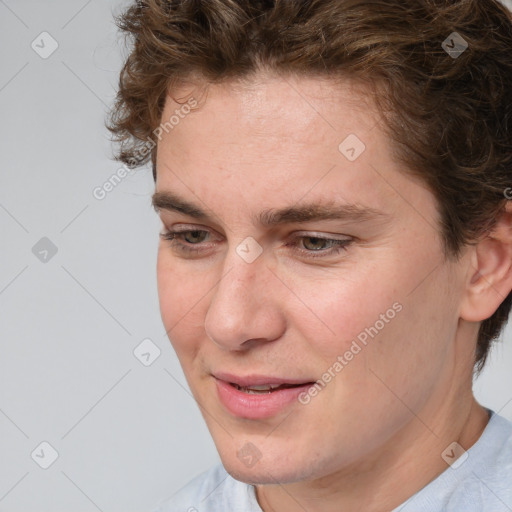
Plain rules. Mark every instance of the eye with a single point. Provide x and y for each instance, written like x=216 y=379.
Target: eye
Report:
x=197 y=242
x=315 y=243
x=320 y=247
x=194 y=237
x=191 y=237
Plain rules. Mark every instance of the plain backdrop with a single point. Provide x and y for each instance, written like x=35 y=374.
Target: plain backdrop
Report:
x=78 y=286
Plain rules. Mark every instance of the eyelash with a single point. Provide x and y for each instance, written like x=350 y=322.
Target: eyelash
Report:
x=339 y=245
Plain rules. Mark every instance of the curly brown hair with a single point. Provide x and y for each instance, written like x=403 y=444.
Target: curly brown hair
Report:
x=449 y=115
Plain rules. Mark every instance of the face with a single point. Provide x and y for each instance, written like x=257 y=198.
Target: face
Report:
x=302 y=257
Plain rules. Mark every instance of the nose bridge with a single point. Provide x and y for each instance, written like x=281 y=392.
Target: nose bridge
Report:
x=239 y=278
x=240 y=309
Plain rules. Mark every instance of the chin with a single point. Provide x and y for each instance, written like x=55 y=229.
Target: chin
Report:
x=261 y=476
x=265 y=472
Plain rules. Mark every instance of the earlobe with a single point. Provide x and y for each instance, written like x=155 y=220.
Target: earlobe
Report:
x=490 y=271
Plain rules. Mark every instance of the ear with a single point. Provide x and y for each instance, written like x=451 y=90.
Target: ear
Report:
x=489 y=279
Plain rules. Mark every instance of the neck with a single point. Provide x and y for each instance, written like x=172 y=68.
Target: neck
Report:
x=407 y=463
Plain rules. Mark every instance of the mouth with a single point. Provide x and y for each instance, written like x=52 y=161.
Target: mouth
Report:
x=258 y=397
x=266 y=389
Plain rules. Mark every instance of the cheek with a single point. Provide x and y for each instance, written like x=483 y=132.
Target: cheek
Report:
x=380 y=316
x=344 y=307
x=415 y=349
x=182 y=296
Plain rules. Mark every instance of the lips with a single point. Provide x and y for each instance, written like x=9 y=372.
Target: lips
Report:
x=258 y=380
x=258 y=396
x=266 y=388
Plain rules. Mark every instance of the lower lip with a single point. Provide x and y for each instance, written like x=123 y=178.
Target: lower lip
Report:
x=257 y=406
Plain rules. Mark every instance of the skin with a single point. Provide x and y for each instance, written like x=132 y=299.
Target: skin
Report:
x=375 y=433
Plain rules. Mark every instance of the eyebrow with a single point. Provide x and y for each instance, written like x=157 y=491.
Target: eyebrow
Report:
x=302 y=212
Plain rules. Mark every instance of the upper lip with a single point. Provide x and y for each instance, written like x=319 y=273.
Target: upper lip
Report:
x=257 y=380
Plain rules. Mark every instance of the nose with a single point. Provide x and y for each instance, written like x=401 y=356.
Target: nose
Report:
x=244 y=310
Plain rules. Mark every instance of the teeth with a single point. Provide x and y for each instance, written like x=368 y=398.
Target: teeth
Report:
x=264 y=388
x=268 y=388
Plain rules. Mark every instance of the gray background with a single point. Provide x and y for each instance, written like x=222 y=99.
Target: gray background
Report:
x=127 y=435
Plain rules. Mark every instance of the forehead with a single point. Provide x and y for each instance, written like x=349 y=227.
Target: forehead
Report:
x=272 y=141
x=266 y=105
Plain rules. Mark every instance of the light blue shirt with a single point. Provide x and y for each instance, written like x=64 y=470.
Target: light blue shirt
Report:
x=482 y=483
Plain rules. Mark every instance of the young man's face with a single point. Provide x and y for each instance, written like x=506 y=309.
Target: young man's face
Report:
x=372 y=316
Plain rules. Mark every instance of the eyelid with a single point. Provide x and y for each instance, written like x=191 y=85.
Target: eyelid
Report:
x=322 y=235
x=185 y=228
x=188 y=227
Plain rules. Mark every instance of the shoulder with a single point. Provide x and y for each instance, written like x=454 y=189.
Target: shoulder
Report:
x=212 y=491
x=487 y=486
x=493 y=461
x=480 y=482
